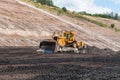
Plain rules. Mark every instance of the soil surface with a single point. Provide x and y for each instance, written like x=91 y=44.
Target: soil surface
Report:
x=26 y=64
x=22 y=24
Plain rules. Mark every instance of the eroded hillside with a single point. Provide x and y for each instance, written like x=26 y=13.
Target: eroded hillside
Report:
x=24 y=25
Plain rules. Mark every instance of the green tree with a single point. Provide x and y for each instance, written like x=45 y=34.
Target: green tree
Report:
x=112 y=14
x=45 y=2
x=64 y=9
x=116 y=16
x=49 y=2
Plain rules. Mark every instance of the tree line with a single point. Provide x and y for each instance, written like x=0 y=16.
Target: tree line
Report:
x=104 y=15
x=45 y=2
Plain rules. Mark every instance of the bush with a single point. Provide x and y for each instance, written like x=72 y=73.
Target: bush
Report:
x=112 y=25
x=64 y=9
x=45 y=2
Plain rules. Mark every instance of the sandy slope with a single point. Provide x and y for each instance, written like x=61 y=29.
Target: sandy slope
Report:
x=24 y=25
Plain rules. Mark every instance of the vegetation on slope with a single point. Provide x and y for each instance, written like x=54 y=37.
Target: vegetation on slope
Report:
x=49 y=6
x=44 y=2
x=111 y=15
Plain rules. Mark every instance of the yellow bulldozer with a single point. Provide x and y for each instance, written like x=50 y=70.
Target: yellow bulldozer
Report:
x=61 y=42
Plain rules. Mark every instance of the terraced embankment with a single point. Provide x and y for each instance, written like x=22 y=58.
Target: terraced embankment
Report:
x=24 y=25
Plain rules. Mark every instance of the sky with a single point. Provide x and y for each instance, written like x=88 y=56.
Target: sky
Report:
x=90 y=6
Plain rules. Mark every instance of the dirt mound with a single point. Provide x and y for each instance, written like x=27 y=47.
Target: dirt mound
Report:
x=95 y=50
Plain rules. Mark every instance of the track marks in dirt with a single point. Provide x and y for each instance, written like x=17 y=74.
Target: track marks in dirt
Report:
x=26 y=64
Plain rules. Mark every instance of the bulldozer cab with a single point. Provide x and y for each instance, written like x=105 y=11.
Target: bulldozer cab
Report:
x=64 y=38
x=69 y=36
x=47 y=46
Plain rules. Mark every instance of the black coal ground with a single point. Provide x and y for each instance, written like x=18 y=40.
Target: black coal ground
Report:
x=95 y=64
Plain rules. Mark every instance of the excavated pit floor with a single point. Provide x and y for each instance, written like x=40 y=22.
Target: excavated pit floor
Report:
x=25 y=64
